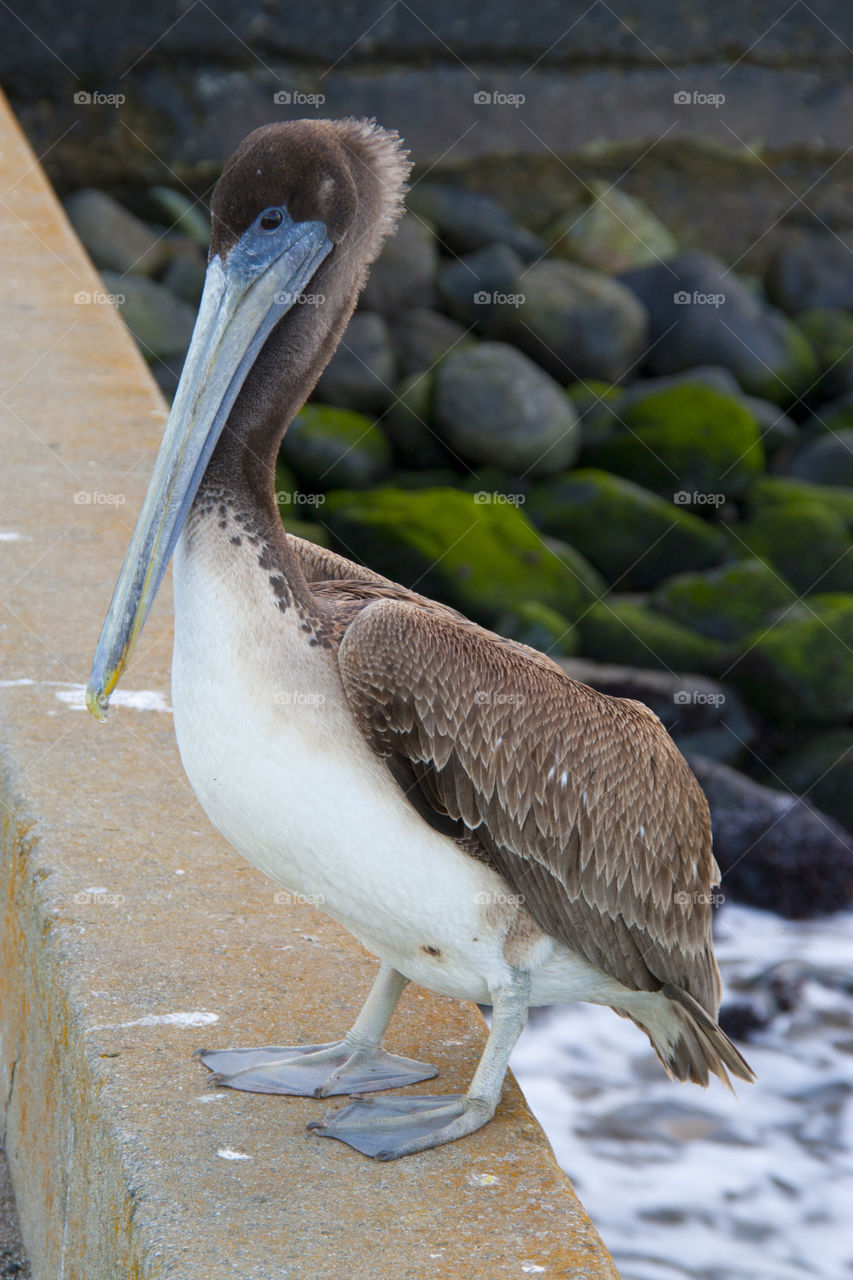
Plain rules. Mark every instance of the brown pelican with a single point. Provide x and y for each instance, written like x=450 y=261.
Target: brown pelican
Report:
x=484 y=825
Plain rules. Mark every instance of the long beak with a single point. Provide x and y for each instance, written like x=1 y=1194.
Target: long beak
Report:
x=241 y=304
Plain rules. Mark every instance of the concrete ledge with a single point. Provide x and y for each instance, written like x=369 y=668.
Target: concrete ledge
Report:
x=131 y=933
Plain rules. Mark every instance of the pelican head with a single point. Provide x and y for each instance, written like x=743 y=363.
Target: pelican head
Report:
x=306 y=203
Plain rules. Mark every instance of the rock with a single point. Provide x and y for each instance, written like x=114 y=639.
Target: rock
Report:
x=167 y=375
x=614 y=232
x=181 y=214
x=494 y=405
x=161 y=323
x=632 y=536
x=800 y=669
x=701 y=714
x=577 y=324
x=479 y=287
x=403 y=276
x=484 y=559
x=830 y=332
x=701 y=314
x=333 y=448
x=828 y=459
x=596 y=403
x=316 y=533
x=421 y=337
x=689 y=444
x=811 y=269
x=823 y=767
x=833 y=416
x=726 y=603
x=775 y=851
x=577 y=566
x=467 y=221
x=629 y=633
x=536 y=625
x=779 y=433
x=807 y=544
x=361 y=373
x=113 y=237
x=185 y=274
x=408 y=424
x=771 y=491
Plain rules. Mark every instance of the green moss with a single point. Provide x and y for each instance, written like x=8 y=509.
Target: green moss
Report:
x=726 y=603
x=408 y=423
x=829 y=330
x=317 y=533
x=483 y=558
x=632 y=536
x=795 y=371
x=688 y=439
x=540 y=627
x=822 y=765
x=626 y=632
x=807 y=543
x=331 y=447
x=801 y=669
x=774 y=491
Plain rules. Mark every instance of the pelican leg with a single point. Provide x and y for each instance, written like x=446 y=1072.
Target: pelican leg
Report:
x=387 y=1128
x=355 y=1064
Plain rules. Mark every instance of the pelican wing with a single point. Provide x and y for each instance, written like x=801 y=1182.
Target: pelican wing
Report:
x=581 y=801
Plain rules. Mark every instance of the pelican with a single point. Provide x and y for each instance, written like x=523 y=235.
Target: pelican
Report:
x=484 y=825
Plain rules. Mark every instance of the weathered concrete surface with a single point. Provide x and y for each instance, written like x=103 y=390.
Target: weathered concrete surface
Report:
x=120 y=906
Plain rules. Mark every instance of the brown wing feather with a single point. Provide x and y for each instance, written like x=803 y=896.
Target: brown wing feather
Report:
x=581 y=801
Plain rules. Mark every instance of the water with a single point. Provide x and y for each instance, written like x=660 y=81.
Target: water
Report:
x=689 y=1184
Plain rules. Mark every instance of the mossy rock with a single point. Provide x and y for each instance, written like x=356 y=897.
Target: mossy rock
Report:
x=830 y=332
x=311 y=532
x=596 y=403
x=726 y=603
x=614 y=232
x=331 y=447
x=809 y=545
x=688 y=440
x=540 y=627
x=775 y=491
x=408 y=424
x=823 y=767
x=484 y=559
x=630 y=633
x=631 y=535
x=577 y=565
x=801 y=669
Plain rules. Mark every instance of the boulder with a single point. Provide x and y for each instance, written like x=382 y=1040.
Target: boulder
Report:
x=332 y=448
x=634 y=537
x=483 y=558
x=113 y=237
x=702 y=314
x=476 y=289
x=361 y=373
x=806 y=542
x=467 y=221
x=186 y=273
x=180 y=213
x=830 y=332
x=827 y=459
x=726 y=603
x=408 y=424
x=690 y=444
x=578 y=324
x=775 y=851
x=493 y=405
x=613 y=232
x=421 y=337
x=773 y=491
x=822 y=765
x=161 y=323
x=403 y=276
x=811 y=269
x=536 y=625
x=629 y=633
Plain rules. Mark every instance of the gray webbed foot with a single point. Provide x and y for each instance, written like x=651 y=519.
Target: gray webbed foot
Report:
x=388 y=1128
x=314 y=1070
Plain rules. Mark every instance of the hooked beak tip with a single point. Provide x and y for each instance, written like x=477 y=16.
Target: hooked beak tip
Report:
x=96 y=700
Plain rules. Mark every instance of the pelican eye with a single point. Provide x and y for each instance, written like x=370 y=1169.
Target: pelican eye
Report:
x=270 y=219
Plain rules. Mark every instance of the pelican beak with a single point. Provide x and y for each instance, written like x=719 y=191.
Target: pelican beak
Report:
x=243 y=300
